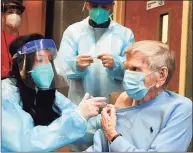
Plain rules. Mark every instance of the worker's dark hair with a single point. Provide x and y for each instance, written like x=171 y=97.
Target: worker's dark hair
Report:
x=5 y=4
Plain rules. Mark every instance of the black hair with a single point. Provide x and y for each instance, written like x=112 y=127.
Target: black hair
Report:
x=5 y=5
x=39 y=105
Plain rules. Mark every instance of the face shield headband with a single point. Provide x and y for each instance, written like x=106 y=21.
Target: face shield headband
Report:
x=37 y=45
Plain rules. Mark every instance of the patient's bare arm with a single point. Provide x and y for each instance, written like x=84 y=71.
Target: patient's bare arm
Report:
x=123 y=101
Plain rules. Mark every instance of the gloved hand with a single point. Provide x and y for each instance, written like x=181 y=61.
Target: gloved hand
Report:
x=89 y=107
x=107 y=60
x=83 y=61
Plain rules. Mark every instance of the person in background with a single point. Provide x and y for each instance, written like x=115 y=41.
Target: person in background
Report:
x=146 y=117
x=92 y=52
x=35 y=116
x=11 y=12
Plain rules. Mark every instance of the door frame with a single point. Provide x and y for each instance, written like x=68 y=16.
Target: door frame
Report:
x=119 y=12
x=184 y=47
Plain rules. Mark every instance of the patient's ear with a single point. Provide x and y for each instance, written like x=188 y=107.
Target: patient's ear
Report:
x=163 y=74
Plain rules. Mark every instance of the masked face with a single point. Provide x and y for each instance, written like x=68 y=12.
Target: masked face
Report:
x=13 y=20
x=99 y=15
x=42 y=72
x=43 y=75
x=134 y=84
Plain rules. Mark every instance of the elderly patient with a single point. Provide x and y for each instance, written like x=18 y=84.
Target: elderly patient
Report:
x=147 y=117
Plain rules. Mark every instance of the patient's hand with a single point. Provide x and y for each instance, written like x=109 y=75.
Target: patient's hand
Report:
x=108 y=121
x=123 y=101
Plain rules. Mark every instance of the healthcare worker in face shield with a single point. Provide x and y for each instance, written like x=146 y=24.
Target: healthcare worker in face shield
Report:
x=11 y=12
x=92 y=52
x=35 y=116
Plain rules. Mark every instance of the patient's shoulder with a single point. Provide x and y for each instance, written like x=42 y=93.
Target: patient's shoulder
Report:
x=123 y=101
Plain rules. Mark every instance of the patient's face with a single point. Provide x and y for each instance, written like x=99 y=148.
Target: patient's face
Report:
x=138 y=63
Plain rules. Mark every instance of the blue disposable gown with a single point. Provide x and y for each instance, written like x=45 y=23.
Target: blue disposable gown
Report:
x=163 y=124
x=81 y=38
x=19 y=133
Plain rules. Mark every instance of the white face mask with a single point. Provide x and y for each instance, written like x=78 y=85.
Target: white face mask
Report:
x=13 y=20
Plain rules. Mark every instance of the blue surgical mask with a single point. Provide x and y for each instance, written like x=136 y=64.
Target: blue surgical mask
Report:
x=43 y=75
x=99 y=15
x=134 y=86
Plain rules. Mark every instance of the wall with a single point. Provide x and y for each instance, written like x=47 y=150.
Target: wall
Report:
x=65 y=14
x=145 y=25
x=119 y=12
x=33 y=19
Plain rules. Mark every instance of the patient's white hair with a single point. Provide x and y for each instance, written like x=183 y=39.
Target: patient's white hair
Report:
x=157 y=53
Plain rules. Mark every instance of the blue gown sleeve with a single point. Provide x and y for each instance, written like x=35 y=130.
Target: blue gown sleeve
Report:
x=19 y=133
x=175 y=137
x=67 y=55
x=117 y=72
x=100 y=143
x=92 y=126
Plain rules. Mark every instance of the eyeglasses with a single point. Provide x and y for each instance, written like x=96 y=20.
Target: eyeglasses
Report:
x=10 y=9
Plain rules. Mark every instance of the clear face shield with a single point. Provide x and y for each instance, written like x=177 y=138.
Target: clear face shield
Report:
x=36 y=66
